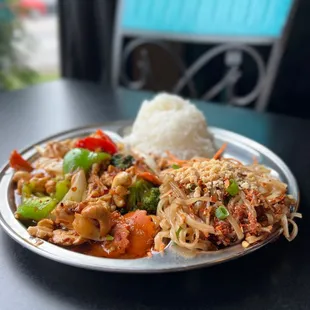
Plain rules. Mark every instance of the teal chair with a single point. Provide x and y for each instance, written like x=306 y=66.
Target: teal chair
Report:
x=235 y=26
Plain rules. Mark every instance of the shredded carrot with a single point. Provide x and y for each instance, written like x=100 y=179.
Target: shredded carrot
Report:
x=175 y=159
x=255 y=160
x=171 y=156
x=234 y=160
x=200 y=159
x=148 y=176
x=219 y=153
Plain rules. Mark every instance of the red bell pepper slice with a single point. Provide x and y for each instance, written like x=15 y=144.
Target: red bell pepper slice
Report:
x=99 y=141
x=17 y=162
x=100 y=134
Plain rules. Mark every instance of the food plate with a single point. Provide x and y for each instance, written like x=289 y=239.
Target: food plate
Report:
x=239 y=147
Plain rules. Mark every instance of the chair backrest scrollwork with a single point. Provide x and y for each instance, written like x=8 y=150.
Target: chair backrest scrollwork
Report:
x=237 y=27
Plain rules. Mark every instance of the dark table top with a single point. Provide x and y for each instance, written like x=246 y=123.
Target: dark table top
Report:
x=275 y=277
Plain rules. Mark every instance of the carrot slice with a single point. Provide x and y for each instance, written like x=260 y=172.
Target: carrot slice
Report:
x=141 y=234
x=219 y=153
x=148 y=176
x=17 y=162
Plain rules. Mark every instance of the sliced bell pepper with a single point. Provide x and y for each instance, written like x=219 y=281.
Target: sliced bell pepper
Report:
x=100 y=134
x=17 y=162
x=82 y=158
x=36 y=208
x=62 y=188
x=99 y=141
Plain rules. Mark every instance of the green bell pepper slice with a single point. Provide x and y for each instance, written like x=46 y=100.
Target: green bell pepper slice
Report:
x=62 y=188
x=82 y=158
x=36 y=208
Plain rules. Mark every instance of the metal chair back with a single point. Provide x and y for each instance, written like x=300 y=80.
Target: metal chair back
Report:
x=237 y=27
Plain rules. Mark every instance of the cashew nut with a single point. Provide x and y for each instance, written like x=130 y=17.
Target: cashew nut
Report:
x=122 y=178
x=119 y=201
x=21 y=175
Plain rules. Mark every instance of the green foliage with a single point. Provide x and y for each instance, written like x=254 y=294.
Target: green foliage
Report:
x=13 y=72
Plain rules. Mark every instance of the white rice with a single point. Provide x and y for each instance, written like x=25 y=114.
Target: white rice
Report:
x=169 y=122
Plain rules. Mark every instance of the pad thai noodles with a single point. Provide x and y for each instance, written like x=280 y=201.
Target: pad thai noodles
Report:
x=99 y=198
x=208 y=204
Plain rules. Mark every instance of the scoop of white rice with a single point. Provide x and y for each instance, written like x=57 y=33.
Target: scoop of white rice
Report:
x=169 y=122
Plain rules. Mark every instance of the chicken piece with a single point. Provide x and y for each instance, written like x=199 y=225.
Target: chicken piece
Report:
x=86 y=227
x=50 y=186
x=21 y=175
x=96 y=187
x=107 y=177
x=117 y=247
x=99 y=211
x=38 y=181
x=57 y=149
x=43 y=230
x=51 y=165
x=66 y=238
x=64 y=213
x=94 y=222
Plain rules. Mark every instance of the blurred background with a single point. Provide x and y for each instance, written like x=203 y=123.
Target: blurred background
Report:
x=252 y=53
x=29 y=43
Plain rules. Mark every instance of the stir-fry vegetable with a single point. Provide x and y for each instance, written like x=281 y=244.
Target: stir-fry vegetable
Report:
x=150 y=200
x=81 y=158
x=17 y=162
x=98 y=142
x=144 y=196
x=27 y=190
x=178 y=232
x=221 y=213
x=78 y=187
x=150 y=177
x=122 y=162
x=233 y=188
x=109 y=238
x=36 y=208
x=62 y=188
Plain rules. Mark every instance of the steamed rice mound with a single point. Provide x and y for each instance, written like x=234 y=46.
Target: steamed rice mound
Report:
x=169 y=122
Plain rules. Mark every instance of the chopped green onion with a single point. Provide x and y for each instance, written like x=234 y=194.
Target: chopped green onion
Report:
x=175 y=166
x=233 y=188
x=178 y=232
x=221 y=213
x=109 y=238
